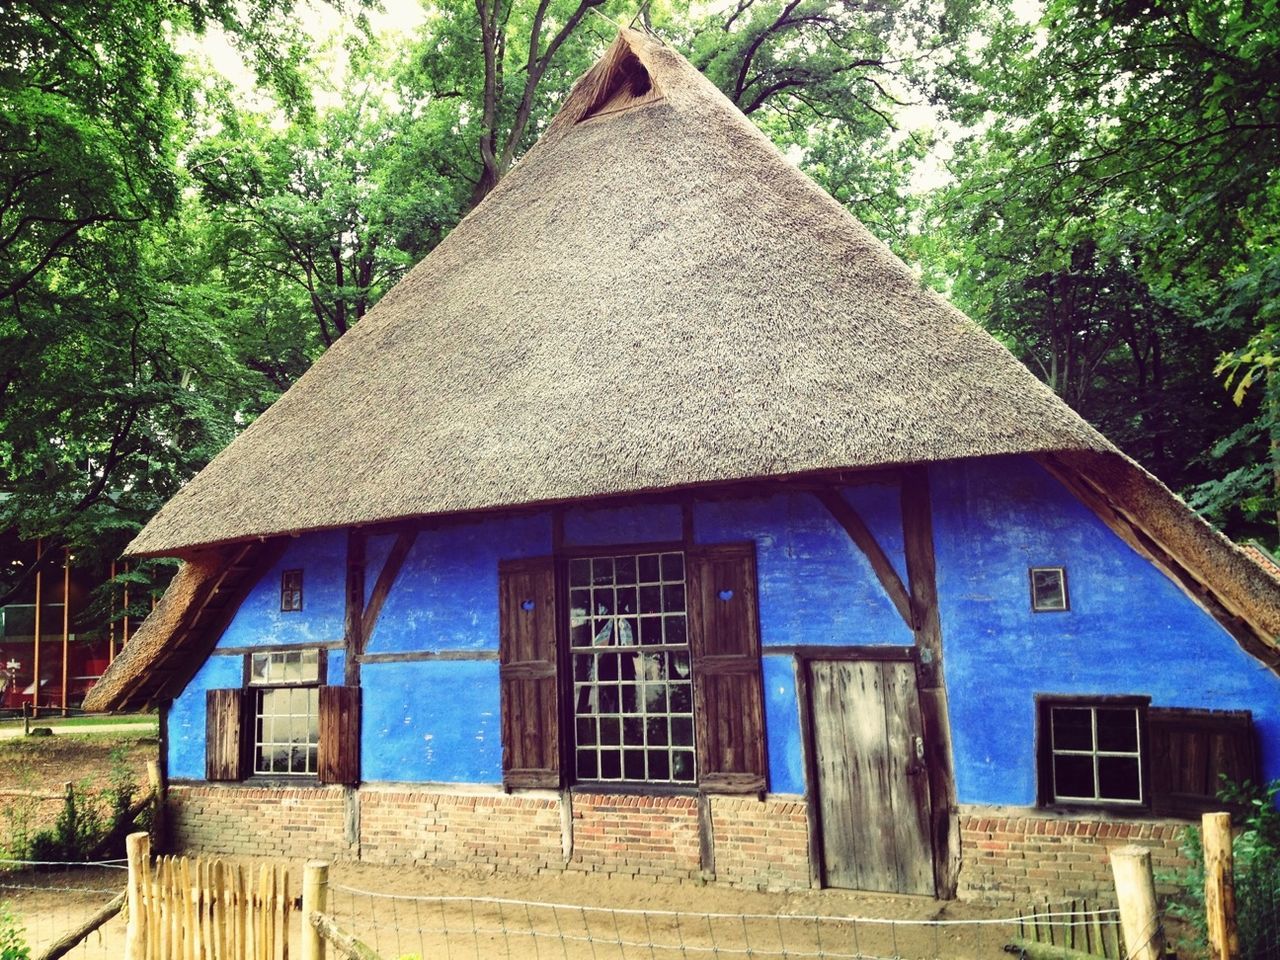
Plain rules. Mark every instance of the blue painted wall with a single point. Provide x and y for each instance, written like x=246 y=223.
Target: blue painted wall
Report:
x=322 y=557
x=816 y=587
x=1130 y=630
x=437 y=721
x=643 y=523
x=782 y=725
x=431 y=721
x=186 y=716
x=446 y=596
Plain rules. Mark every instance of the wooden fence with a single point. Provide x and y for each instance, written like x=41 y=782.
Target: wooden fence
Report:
x=198 y=909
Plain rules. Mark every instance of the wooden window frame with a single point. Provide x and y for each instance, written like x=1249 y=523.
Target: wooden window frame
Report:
x=564 y=670
x=253 y=708
x=1044 y=752
x=1066 y=591
x=287 y=591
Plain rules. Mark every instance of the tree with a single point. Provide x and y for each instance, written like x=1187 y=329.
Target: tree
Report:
x=321 y=215
x=1145 y=138
x=115 y=379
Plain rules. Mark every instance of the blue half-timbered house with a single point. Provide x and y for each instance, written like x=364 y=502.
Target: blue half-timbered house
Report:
x=661 y=522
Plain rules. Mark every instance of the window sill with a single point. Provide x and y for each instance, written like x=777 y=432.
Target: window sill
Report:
x=636 y=789
x=1076 y=809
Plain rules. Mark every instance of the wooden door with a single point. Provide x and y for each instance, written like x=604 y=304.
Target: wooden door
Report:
x=871 y=782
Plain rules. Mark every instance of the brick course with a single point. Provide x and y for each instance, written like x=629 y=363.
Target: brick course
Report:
x=1025 y=855
x=761 y=843
x=1006 y=856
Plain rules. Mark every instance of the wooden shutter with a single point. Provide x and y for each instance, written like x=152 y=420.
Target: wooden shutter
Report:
x=527 y=655
x=728 y=698
x=225 y=727
x=339 y=760
x=1191 y=751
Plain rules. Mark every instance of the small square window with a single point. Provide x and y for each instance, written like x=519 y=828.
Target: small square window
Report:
x=291 y=590
x=1093 y=752
x=1049 y=589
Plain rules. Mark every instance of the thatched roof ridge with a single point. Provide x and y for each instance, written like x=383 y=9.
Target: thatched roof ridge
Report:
x=653 y=298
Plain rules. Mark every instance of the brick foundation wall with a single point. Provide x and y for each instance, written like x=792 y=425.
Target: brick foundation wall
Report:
x=756 y=843
x=260 y=821
x=761 y=843
x=1020 y=856
x=1006 y=855
x=489 y=832
x=636 y=836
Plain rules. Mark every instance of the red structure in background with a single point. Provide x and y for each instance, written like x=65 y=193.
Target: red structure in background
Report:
x=51 y=602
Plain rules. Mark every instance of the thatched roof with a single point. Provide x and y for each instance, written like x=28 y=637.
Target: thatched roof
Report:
x=653 y=299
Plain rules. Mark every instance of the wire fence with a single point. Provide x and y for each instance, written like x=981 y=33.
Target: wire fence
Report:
x=49 y=900
x=406 y=927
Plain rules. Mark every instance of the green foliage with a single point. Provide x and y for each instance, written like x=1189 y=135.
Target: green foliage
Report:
x=1256 y=852
x=13 y=946
x=1114 y=219
x=85 y=820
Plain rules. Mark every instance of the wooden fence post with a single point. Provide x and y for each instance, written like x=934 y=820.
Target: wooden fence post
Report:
x=138 y=849
x=1136 y=897
x=1219 y=887
x=159 y=806
x=315 y=897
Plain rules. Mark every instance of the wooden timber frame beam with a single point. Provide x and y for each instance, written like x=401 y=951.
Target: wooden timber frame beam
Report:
x=361 y=617
x=851 y=520
x=917 y=535
x=382 y=586
x=917 y=604
x=353 y=621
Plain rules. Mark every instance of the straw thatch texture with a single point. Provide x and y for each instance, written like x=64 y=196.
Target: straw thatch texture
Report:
x=156 y=636
x=653 y=298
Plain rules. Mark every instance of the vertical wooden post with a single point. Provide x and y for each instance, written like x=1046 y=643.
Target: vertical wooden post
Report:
x=353 y=632
x=158 y=802
x=1219 y=887
x=125 y=639
x=138 y=850
x=315 y=894
x=35 y=668
x=1136 y=898
x=111 y=618
x=66 y=621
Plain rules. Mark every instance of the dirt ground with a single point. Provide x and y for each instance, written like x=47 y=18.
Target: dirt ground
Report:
x=419 y=912
x=403 y=912
x=46 y=763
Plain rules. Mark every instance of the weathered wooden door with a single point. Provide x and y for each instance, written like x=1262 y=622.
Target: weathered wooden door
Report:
x=872 y=785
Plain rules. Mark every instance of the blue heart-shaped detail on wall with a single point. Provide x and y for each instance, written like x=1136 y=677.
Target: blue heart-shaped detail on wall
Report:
x=527 y=605
x=726 y=594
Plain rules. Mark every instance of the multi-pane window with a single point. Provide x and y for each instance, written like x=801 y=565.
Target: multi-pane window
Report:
x=1049 y=589
x=1095 y=753
x=632 y=672
x=286 y=695
x=291 y=590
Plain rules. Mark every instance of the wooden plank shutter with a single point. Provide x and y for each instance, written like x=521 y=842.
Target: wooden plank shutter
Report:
x=527 y=670
x=728 y=698
x=1191 y=751
x=225 y=728
x=339 y=759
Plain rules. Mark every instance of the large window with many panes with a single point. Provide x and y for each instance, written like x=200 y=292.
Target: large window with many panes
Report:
x=632 y=675
x=285 y=687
